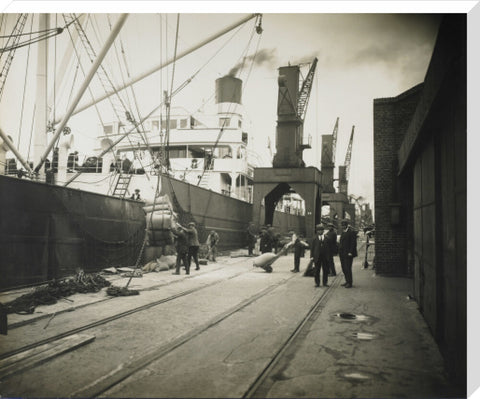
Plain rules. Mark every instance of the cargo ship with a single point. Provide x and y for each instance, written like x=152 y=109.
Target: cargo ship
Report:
x=52 y=224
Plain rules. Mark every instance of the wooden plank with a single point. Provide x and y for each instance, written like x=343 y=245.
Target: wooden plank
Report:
x=35 y=356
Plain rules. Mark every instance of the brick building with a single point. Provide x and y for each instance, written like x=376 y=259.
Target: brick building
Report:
x=420 y=192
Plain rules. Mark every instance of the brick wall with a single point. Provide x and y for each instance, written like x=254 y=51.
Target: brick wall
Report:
x=391 y=120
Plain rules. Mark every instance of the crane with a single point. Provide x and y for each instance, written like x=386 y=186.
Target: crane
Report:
x=344 y=170
x=348 y=155
x=305 y=91
x=334 y=140
x=9 y=49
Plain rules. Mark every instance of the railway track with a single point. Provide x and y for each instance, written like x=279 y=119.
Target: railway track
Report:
x=124 y=370
x=261 y=384
x=111 y=318
x=264 y=381
x=47 y=315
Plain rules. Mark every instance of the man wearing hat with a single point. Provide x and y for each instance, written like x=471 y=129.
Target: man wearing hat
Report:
x=193 y=245
x=212 y=242
x=331 y=237
x=320 y=253
x=347 y=250
x=136 y=195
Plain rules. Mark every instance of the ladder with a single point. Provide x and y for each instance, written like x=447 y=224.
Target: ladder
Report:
x=204 y=183
x=121 y=187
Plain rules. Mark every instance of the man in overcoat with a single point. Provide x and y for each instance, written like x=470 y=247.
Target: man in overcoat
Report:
x=331 y=236
x=320 y=253
x=347 y=250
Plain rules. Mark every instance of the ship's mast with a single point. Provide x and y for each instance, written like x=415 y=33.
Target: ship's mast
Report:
x=91 y=73
x=41 y=109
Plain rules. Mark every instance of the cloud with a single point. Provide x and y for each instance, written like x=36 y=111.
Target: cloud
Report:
x=399 y=44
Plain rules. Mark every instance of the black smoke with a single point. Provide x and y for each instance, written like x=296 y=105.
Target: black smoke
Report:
x=262 y=57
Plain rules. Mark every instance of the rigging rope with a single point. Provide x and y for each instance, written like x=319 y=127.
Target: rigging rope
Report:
x=24 y=91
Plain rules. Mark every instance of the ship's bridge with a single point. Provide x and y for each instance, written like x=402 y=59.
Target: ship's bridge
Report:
x=206 y=150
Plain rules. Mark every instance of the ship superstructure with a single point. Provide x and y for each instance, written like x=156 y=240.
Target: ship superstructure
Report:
x=209 y=150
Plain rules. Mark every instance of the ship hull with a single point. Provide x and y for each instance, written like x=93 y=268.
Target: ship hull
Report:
x=49 y=232
x=226 y=215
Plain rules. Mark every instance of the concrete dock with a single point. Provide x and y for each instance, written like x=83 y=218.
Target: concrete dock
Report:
x=369 y=341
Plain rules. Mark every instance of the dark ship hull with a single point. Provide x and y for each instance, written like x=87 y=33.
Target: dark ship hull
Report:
x=228 y=216
x=48 y=232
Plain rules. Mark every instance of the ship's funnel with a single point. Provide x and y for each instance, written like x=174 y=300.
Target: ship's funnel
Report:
x=228 y=89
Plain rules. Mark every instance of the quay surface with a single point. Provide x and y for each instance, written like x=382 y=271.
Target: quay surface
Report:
x=232 y=330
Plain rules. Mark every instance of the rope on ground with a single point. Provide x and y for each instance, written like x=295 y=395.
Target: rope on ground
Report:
x=49 y=294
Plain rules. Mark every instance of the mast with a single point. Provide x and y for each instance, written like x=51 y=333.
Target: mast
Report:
x=91 y=73
x=41 y=109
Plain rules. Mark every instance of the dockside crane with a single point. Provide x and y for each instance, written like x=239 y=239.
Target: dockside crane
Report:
x=344 y=171
x=291 y=110
x=334 y=140
x=305 y=91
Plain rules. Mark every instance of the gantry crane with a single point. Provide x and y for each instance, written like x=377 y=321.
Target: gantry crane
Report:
x=291 y=110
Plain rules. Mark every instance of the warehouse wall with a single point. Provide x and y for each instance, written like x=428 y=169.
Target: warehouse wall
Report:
x=420 y=161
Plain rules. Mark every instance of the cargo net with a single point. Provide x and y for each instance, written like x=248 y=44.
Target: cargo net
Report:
x=100 y=254
x=48 y=295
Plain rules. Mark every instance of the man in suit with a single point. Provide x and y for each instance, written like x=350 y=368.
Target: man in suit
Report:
x=347 y=250
x=320 y=253
x=331 y=237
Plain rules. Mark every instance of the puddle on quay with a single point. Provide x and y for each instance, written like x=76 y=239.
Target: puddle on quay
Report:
x=356 y=376
x=364 y=336
x=351 y=316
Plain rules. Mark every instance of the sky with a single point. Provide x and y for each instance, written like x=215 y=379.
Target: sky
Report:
x=361 y=56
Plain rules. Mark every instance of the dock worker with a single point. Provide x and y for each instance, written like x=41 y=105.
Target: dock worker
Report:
x=266 y=241
x=181 y=245
x=136 y=196
x=299 y=245
x=193 y=244
x=251 y=238
x=212 y=242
